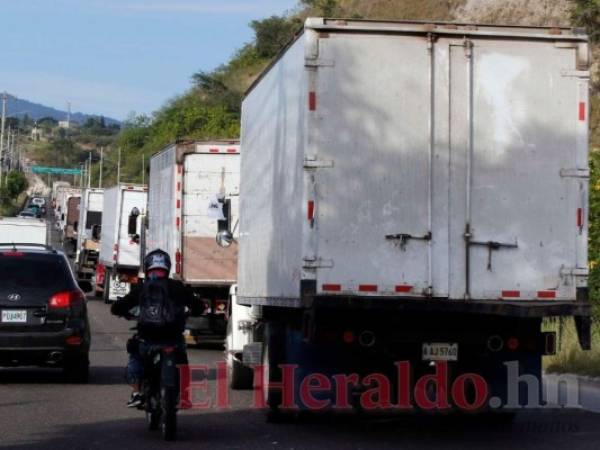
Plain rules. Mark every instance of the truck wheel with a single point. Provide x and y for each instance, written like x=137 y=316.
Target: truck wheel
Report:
x=106 y=293
x=240 y=376
x=273 y=356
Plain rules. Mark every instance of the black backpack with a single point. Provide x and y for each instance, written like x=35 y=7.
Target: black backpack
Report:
x=157 y=308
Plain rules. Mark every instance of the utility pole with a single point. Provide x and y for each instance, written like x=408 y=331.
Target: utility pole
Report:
x=101 y=164
x=90 y=172
x=143 y=169
x=4 y=98
x=119 y=167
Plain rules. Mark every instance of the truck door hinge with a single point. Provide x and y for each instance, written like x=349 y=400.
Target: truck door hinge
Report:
x=317 y=263
x=317 y=164
x=575 y=173
x=319 y=62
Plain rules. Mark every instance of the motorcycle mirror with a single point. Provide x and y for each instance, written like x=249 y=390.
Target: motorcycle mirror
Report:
x=224 y=238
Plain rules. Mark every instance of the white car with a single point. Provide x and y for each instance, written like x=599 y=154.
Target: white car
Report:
x=39 y=201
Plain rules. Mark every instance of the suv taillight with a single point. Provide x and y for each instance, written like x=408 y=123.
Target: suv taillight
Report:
x=65 y=299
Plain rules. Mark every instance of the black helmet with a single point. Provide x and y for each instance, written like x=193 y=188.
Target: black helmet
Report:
x=157 y=259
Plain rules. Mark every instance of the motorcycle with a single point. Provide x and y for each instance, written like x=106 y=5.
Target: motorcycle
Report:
x=160 y=384
x=160 y=387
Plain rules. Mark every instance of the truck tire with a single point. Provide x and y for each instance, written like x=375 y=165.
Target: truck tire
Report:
x=240 y=376
x=273 y=355
x=106 y=293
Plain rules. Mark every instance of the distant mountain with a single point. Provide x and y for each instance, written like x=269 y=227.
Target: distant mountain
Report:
x=17 y=107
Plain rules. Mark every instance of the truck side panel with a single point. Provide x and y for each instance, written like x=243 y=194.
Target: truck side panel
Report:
x=112 y=197
x=271 y=227
x=163 y=231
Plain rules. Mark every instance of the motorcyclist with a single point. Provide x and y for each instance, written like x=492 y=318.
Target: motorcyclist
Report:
x=157 y=266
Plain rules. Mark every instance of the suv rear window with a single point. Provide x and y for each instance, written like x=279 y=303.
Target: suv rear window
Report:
x=33 y=270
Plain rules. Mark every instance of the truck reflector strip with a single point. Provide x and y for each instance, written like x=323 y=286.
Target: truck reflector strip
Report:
x=546 y=294
x=582 y=111
x=367 y=288
x=511 y=294
x=178 y=222
x=580 y=217
x=179 y=186
x=232 y=150
x=332 y=287
x=403 y=288
x=214 y=150
x=312 y=101
x=178 y=204
x=311 y=210
x=179 y=169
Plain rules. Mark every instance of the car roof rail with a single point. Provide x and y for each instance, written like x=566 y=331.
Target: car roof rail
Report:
x=16 y=245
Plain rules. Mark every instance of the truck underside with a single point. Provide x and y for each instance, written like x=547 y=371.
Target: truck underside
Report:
x=371 y=339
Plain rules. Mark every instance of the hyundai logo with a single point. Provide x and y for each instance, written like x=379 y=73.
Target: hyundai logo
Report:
x=14 y=297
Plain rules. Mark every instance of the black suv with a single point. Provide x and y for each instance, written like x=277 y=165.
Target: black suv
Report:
x=43 y=313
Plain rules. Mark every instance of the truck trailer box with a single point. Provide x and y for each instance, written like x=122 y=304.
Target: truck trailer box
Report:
x=17 y=230
x=184 y=179
x=120 y=250
x=414 y=193
x=397 y=163
x=88 y=236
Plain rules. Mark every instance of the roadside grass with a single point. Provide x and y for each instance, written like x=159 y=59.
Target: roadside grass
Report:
x=570 y=358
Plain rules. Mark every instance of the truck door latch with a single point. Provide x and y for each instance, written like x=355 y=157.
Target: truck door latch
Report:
x=491 y=246
x=401 y=239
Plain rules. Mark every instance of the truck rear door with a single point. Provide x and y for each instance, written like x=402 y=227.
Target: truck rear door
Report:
x=451 y=167
x=372 y=171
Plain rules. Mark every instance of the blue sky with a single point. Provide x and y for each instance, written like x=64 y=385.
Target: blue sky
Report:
x=112 y=57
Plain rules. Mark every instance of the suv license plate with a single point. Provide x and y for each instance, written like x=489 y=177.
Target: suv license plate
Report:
x=440 y=352
x=14 y=316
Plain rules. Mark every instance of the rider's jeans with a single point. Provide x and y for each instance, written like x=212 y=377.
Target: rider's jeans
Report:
x=135 y=366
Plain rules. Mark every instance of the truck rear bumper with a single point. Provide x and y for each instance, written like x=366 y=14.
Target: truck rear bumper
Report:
x=532 y=309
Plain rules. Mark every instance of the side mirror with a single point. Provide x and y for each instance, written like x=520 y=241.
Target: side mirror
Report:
x=85 y=285
x=132 y=223
x=96 y=232
x=224 y=238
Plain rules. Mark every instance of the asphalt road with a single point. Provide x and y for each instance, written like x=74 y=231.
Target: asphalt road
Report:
x=40 y=411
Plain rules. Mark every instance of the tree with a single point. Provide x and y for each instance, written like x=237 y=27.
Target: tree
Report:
x=326 y=8
x=15 y=184
x=273 y=34
x=586 y=13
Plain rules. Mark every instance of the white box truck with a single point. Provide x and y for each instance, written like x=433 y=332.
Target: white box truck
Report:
x=415 y=193
x=68 y=217
x=186 y=180
x=120 y=247
x=88 y=232
x=16 y=230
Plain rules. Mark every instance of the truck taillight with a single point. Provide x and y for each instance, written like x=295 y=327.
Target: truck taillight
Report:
x=178 y=256
x=65 y=299
x=178 y=268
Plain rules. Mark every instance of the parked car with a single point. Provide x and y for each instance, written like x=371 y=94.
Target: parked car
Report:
x=43 y=313
x=31 y=212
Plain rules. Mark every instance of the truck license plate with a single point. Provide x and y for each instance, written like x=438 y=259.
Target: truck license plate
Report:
x=14 y=316
x=440 y=351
